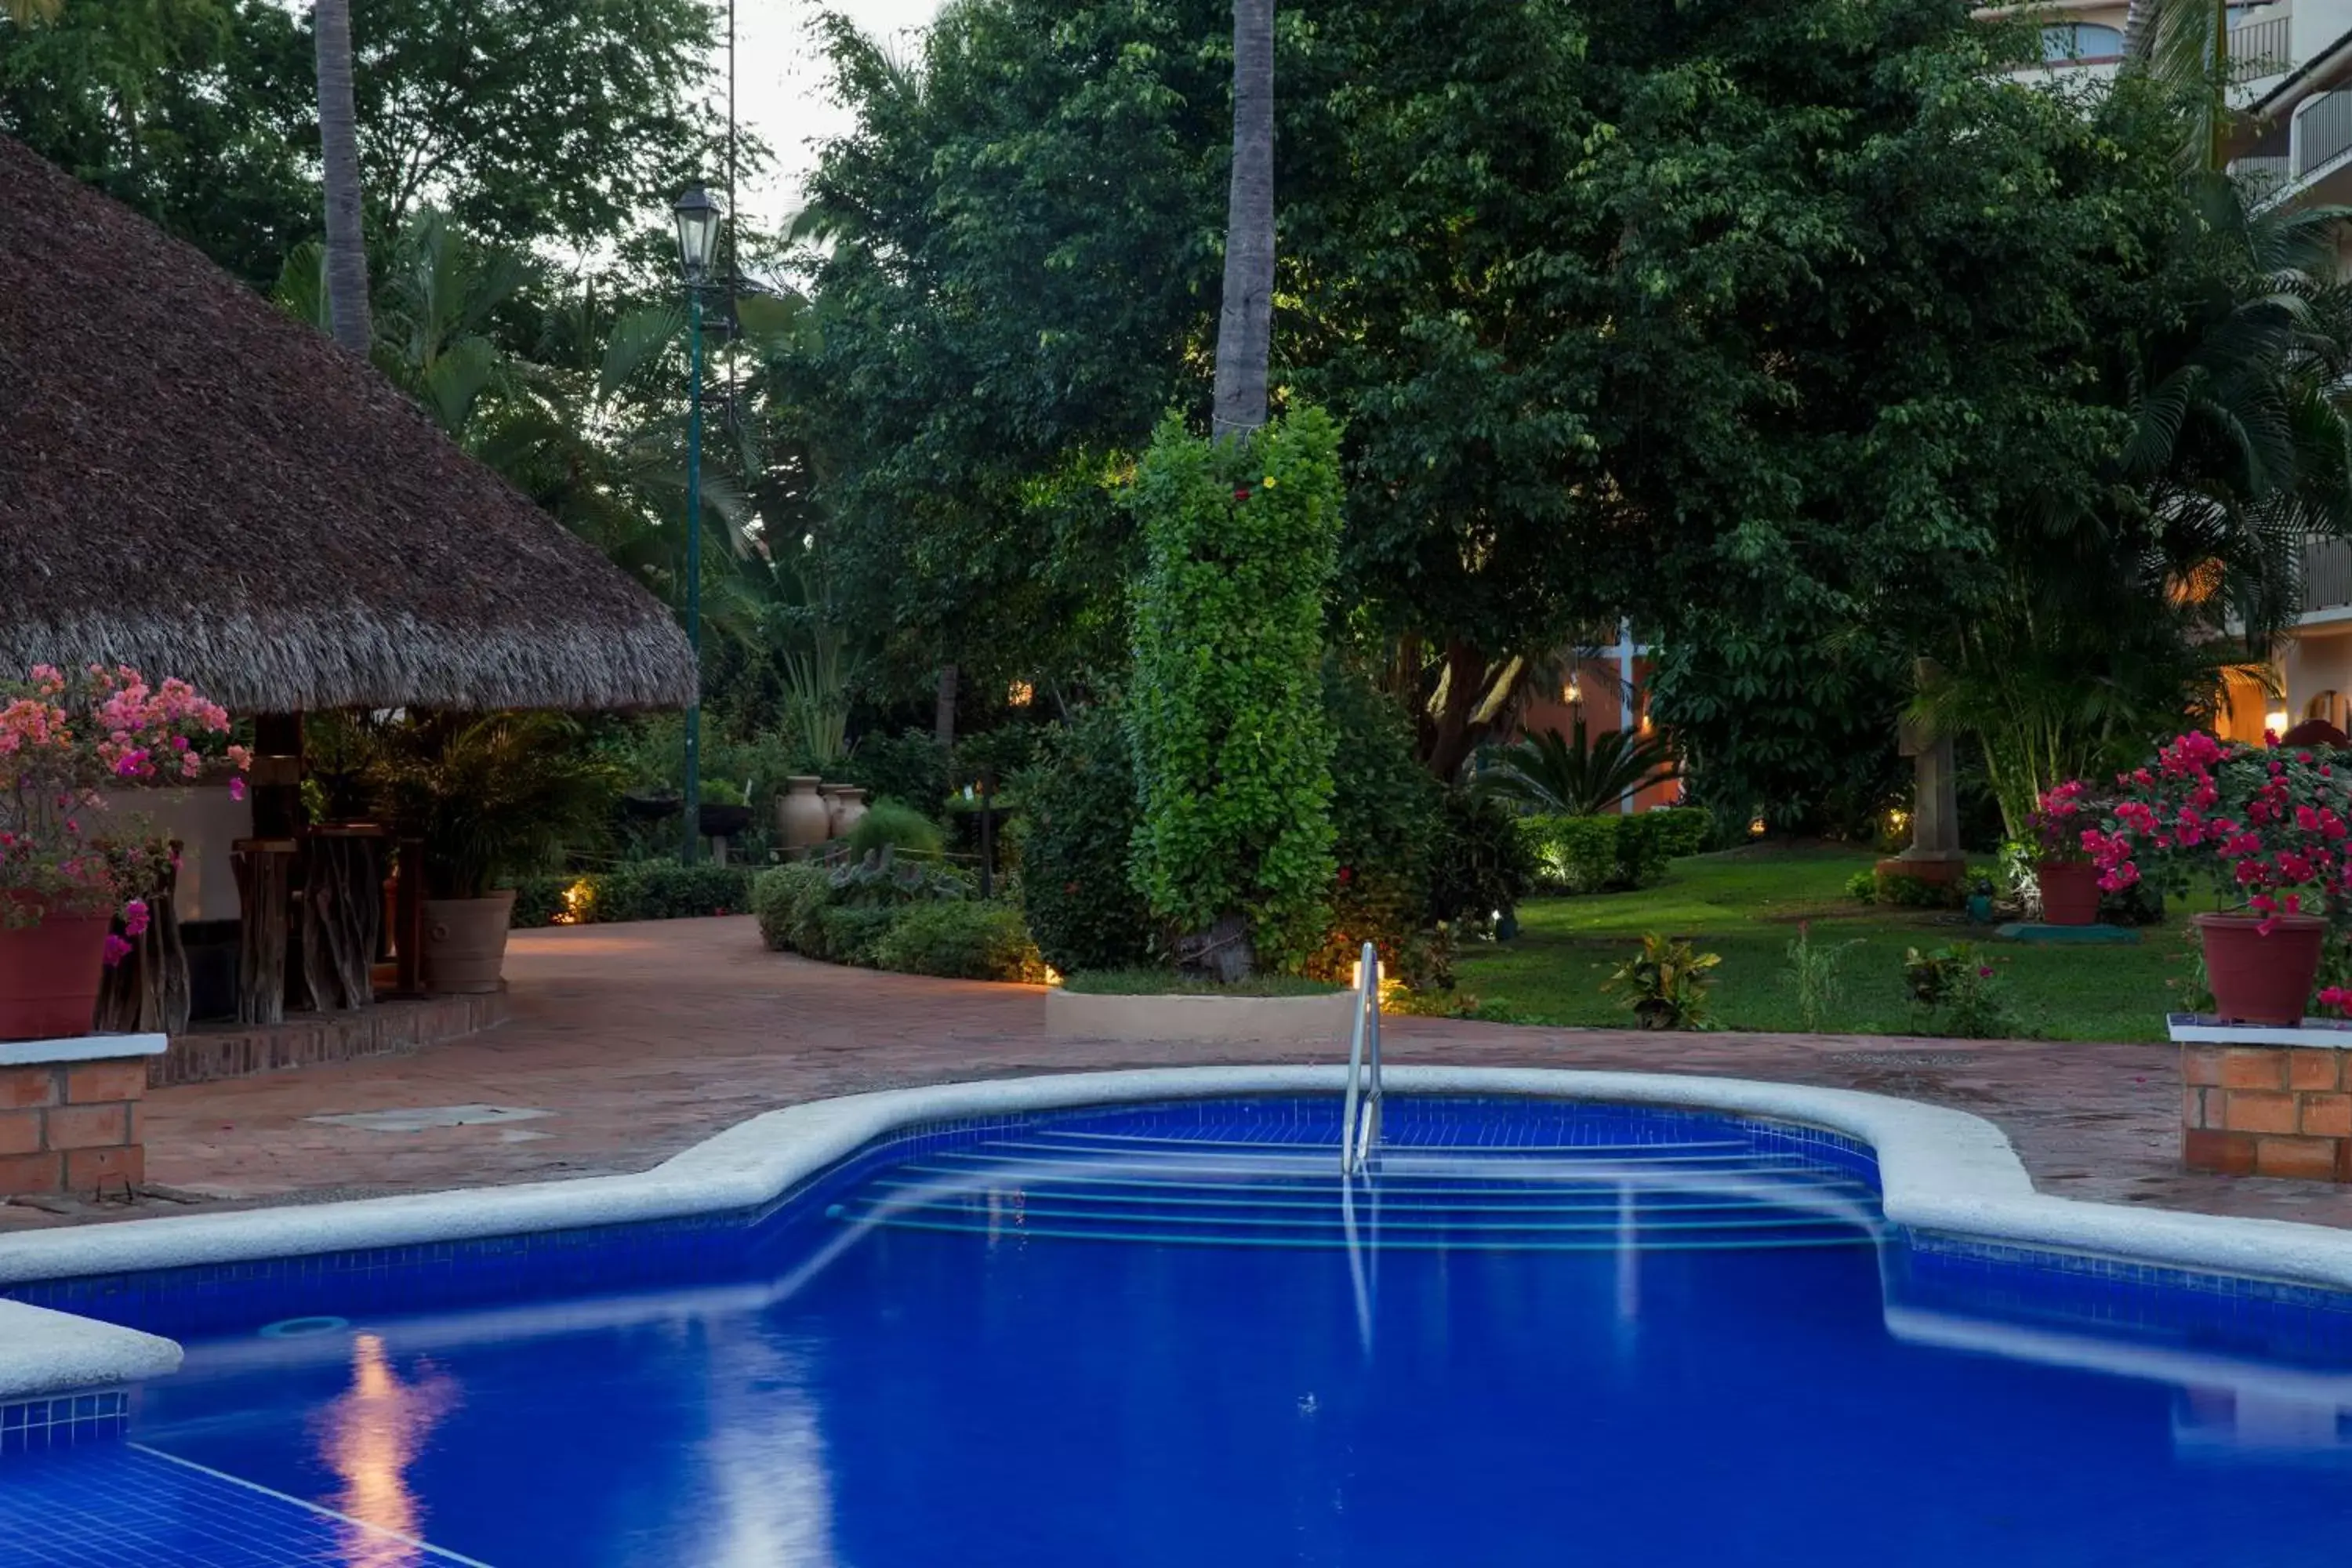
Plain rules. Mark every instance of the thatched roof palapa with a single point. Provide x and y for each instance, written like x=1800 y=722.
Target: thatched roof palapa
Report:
x=193 y=482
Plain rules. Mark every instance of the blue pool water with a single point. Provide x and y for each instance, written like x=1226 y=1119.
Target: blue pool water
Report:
x=1172 y=1336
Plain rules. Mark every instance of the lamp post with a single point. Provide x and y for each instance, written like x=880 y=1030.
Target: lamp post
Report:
x=698 y=246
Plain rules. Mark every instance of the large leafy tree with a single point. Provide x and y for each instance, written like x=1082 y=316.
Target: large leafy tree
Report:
x=194 y=112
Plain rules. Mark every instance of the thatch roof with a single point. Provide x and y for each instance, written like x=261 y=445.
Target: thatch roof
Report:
x=196 y=483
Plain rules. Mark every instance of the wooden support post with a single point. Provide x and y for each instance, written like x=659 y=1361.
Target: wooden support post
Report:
x=408 y=920
x=264 y=887
x=343 y=911
x=147 y=993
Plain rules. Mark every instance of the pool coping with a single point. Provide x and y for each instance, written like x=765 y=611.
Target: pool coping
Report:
x=1941 y=1171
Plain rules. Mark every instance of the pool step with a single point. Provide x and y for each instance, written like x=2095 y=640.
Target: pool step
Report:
x=1045 y=1183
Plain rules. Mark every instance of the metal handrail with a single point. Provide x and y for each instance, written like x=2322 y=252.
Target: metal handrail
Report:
x=1358 y=1137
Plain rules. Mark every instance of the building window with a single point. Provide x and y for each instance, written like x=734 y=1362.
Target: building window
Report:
x=2074 y=42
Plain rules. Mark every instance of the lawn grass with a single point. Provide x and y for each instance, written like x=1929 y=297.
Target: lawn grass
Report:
x=1744 y=905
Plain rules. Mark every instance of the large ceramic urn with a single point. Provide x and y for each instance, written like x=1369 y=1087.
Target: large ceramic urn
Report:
x=801 y=817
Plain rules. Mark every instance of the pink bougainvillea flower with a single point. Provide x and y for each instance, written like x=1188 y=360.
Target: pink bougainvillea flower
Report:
x=117 y=950
x=136 y=917
x=236 y=789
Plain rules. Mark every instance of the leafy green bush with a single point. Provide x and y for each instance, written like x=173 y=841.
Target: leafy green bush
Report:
x=1077 y=830
x=1956 y=992
x=1177 y=982
x=1480 y=861
x=910 y=767
x=1231 y=747
x=1666 y=984
x=1577 y=774
x=1916 y=892
x=1862 y=886
x=1681 y=829
x=1575 y=854
x=890 y=824
x=787 y=901
x=1386 y=817
x=961 y=940
x=649 y=892
x=853 y=933
x=1613 y=853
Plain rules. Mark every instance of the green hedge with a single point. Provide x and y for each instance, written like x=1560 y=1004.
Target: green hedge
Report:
x=649 y=892
x=1612 y=854
x=916 y=920
x=969 y=940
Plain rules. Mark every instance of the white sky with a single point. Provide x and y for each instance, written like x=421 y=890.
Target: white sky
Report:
x=780 y=84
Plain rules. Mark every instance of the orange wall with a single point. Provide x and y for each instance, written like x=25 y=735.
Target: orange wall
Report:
x=1604 y=705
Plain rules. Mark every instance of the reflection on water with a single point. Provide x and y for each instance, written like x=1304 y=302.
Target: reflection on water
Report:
x=369 y=1436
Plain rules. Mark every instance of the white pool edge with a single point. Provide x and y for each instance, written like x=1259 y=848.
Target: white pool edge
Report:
x=1940 y=1170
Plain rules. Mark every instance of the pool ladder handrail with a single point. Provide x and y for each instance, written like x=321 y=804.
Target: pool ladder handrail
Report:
x=1359 y=1131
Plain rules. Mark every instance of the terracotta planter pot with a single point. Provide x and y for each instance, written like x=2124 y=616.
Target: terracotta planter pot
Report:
x=2070 y=892
x=2259 y=979
x=848 y=807
x=49 y=976
x=800 y=815
x=465 y=943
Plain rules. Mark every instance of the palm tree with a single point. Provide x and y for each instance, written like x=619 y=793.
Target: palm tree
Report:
x=339 y=146
x=1246 y=319
x=1578 y=777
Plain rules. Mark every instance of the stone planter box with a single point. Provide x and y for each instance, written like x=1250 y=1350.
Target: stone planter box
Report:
x=2263 y=1101
x=1278 y=1020
x=69 y=1114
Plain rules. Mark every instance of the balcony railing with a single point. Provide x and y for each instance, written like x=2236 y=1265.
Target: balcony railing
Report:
x=2323 y=130
x=2326 y=574
x=2259 y=49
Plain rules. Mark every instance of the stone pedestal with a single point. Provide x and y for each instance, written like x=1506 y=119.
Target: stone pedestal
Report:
x=1935 y=855
x=69 y=1114
x=2263 y=1102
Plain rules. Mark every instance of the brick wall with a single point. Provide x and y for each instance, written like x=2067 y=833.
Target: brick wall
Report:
x=71 y=1127
x=2266 y=1111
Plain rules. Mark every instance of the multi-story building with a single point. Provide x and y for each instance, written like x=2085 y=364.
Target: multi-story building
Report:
x=2290 y=69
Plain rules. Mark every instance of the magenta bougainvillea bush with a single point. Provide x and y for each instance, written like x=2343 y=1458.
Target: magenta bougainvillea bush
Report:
x=2270 y=826
x=64 y=737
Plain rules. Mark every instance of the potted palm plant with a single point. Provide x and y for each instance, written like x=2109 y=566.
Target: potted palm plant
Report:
x=491 y=796
x=62 y=737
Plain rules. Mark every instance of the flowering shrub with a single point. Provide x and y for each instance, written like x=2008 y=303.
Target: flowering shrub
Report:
x=2055 y=827
x=62 y=739
x=2268 y=825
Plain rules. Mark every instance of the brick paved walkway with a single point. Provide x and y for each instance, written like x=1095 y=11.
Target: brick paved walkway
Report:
x=643 y=1040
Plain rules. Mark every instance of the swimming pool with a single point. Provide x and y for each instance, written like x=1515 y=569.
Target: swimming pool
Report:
x=1169 y=1334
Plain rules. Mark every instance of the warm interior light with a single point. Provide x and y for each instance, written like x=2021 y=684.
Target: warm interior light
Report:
x=2275 y=721
x=1756 y=827
x=1571 y=692
x=1020 y=694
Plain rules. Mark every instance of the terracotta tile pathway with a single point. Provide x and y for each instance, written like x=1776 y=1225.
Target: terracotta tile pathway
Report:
x=643 y=1040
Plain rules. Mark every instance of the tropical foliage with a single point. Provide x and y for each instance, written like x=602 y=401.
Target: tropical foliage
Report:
x=1577 y=774
x=1232 y=756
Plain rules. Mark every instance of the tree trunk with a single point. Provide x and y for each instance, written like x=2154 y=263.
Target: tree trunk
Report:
x=943 y=715
x=1245 y=321
x=1472 y=692
x=339 y=146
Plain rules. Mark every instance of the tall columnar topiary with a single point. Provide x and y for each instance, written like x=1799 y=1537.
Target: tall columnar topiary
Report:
x=1225 y=716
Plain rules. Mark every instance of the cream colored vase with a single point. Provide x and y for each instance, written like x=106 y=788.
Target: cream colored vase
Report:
x=848 y=805
x=801 y=814
x=465 y=943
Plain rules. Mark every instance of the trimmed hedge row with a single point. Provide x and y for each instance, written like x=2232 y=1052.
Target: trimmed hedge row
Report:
x=910 y=919
x=649 y=892
x=1613 y=854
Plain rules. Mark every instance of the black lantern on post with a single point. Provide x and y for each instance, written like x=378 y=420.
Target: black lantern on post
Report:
x=699 y=218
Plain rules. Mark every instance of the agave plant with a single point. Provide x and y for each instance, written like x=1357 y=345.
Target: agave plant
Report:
x=1575 y=775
